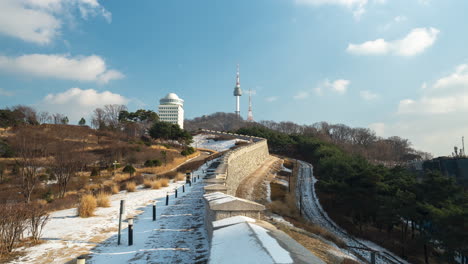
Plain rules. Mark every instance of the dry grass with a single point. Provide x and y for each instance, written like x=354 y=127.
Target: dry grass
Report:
x=173 y=161
x=115 y=189
x=87 y=205
x=180 y=177
x=288 y=164
x=103 y=199
x=164 y=182
x=120 y=177
x=130 y=186
x=156 y=185
x=71 y=193
x=147 y=183
x=92 y=187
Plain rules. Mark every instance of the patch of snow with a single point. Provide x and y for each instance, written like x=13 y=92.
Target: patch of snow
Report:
x=228 y=242
x=282 y=182
x=68 y=236
x=268 y=191
x=283 y=168
x=203 y=141
x=279 y=254
x=280 y=219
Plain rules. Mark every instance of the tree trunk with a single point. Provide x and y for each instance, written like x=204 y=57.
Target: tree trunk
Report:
x=426 y=259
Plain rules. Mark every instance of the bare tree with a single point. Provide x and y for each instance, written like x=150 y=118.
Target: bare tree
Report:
x=37 y=218
x=12 y=225
x=44 y=117
x=58 y=118
x=30 y=146
x=112 y=113
x=98 y=119
x=28 y=114
x=64 y=165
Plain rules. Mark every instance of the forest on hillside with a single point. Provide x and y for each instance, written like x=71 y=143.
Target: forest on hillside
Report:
x=428 y=216
x=360 y=141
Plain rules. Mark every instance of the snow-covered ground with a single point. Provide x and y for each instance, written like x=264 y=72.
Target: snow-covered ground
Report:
x=202 y=141
x=178 y=234
x=314 y=212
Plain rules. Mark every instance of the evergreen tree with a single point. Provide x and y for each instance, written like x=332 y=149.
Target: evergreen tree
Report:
x=82 y=122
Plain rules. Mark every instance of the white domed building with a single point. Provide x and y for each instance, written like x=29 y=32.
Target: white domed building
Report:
x=171 y=109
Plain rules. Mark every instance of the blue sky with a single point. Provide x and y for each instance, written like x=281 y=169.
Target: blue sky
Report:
x=399 y=67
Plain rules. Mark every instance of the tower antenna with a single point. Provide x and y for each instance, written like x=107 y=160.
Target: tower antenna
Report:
x=463 y=145
x=250 y=114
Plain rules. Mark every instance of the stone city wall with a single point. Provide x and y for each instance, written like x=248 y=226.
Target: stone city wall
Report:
x=241 y=162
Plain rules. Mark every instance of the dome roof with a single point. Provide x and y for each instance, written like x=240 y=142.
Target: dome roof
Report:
x=171 y=99
x=172 y=96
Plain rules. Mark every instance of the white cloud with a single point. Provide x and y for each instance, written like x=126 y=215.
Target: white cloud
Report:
x=394 y=21
x=357 y=6
x=271 y=99
x=301 y=95
x=40 y=21
x=4 y=92
x=368 y=95
x=318 y=91
x=91 y=68
x=449 y=94
x=416 y=42
x=436 y=120
x=338 y=86
x=77 y=103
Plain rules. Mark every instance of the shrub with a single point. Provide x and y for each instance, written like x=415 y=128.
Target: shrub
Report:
x=187 y=151
x=12 y=225
x=147 y=183
x=149 y=163
x=130 y=186
x=95 y=172
x=164 y=182
x=103 y=199
x=87 y=205
x=156 y=185
x=129 y=169
x=153 y=163
x=48 y=196
x=37 y=219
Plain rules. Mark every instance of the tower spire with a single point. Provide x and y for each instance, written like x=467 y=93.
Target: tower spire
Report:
x=238 y=77
x=250 y=114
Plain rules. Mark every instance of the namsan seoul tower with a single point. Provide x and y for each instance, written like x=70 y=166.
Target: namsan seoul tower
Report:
x=237 y=93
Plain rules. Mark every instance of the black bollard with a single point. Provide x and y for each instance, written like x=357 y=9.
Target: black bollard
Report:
x=190 y=183
x=373 y=257
x=130 y=231
x=176 y=193
x=183 y=188
x=121 y=213
x=198 y=176
x=167 y=199
x=154 y=211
